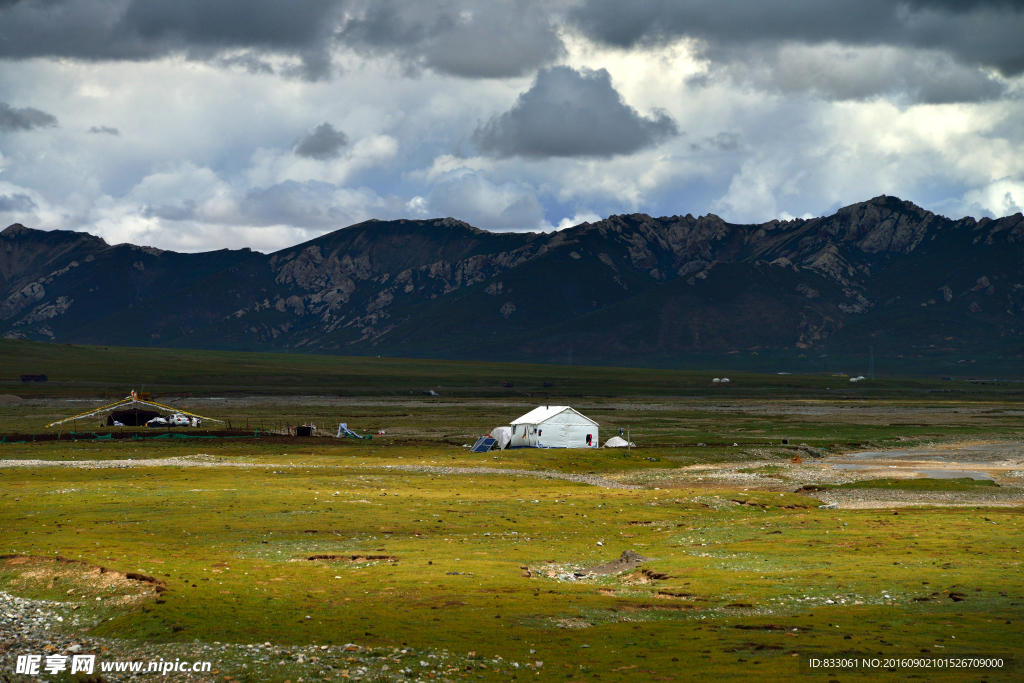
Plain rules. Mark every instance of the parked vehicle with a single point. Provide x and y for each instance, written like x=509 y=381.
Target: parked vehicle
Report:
x=179 y=420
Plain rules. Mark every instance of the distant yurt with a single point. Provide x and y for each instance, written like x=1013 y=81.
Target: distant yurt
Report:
x=554 y=427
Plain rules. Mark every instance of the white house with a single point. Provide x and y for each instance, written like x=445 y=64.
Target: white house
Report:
x=554 y=427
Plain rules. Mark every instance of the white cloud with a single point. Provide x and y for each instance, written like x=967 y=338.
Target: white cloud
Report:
x=1001 y=198
x=579 y=217
x=446 y=163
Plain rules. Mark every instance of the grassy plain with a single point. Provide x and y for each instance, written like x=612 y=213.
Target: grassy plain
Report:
x=480 y=563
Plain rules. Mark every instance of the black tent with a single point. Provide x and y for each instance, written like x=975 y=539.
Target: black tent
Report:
x=131 y=418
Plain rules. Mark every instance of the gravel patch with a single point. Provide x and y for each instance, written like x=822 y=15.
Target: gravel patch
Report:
x=203 y=460
x=43 y=627
x=200 y=460
x=859 y=499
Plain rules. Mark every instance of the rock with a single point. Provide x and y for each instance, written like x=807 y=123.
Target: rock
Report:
x=627 y=561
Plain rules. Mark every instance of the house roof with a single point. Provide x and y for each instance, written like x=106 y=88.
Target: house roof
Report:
x=542 y=413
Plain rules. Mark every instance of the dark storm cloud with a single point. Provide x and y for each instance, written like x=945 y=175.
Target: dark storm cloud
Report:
x=472 y=39
x=105 y=130
x=24 y=119
x=146 y=29
x=975 y=32
x=469 y=38
x=568 y=113
x=323 y=143
x=837 y=72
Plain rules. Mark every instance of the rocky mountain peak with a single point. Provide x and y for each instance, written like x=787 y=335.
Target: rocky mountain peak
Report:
x=15 y=230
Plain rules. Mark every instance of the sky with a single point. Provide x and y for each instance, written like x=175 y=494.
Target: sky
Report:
x=197 y=124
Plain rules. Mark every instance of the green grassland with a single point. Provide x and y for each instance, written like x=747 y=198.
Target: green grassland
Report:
x=740 y=584
x=732 y=582
x=95 y=371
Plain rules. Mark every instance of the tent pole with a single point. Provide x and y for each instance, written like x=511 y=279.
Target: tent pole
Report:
x=628 y=444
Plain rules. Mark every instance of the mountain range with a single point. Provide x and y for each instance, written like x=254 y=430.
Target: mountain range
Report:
x=627 y=290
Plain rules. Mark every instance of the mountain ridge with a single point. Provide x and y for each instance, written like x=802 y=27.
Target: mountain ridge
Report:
x=631 y=288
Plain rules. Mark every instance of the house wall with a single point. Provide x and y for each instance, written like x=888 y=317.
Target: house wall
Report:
x=567 y=429
x=524 y=436
x=553 y=434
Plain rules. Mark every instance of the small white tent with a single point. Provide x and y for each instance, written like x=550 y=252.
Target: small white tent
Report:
x=554 y=427
x=502 y=437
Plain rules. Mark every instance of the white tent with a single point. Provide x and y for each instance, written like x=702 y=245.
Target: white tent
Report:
x=618 y=442
x=554 y=427
x=503 y=436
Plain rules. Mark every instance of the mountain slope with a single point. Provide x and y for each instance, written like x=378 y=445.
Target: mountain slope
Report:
x=629 y=289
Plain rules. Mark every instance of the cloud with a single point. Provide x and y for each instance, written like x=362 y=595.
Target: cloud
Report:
x=722 y=142
x=579 y=217
x=570 y=113
x=317 y=205
x=971 y=34
x=1000 y=198
x=190 y=209
x=248 y=61
x=840 y=72
x=472 y=39
x=16 y=203
x=471 y=197
x=183 y=211
x=24 y=119
x=149 y=29
x=323 y=143
x=106 y=130
x=780 y=125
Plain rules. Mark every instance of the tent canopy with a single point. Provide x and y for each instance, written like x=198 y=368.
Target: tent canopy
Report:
x=503 y=436
x=129 y=403
x=544 y=413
